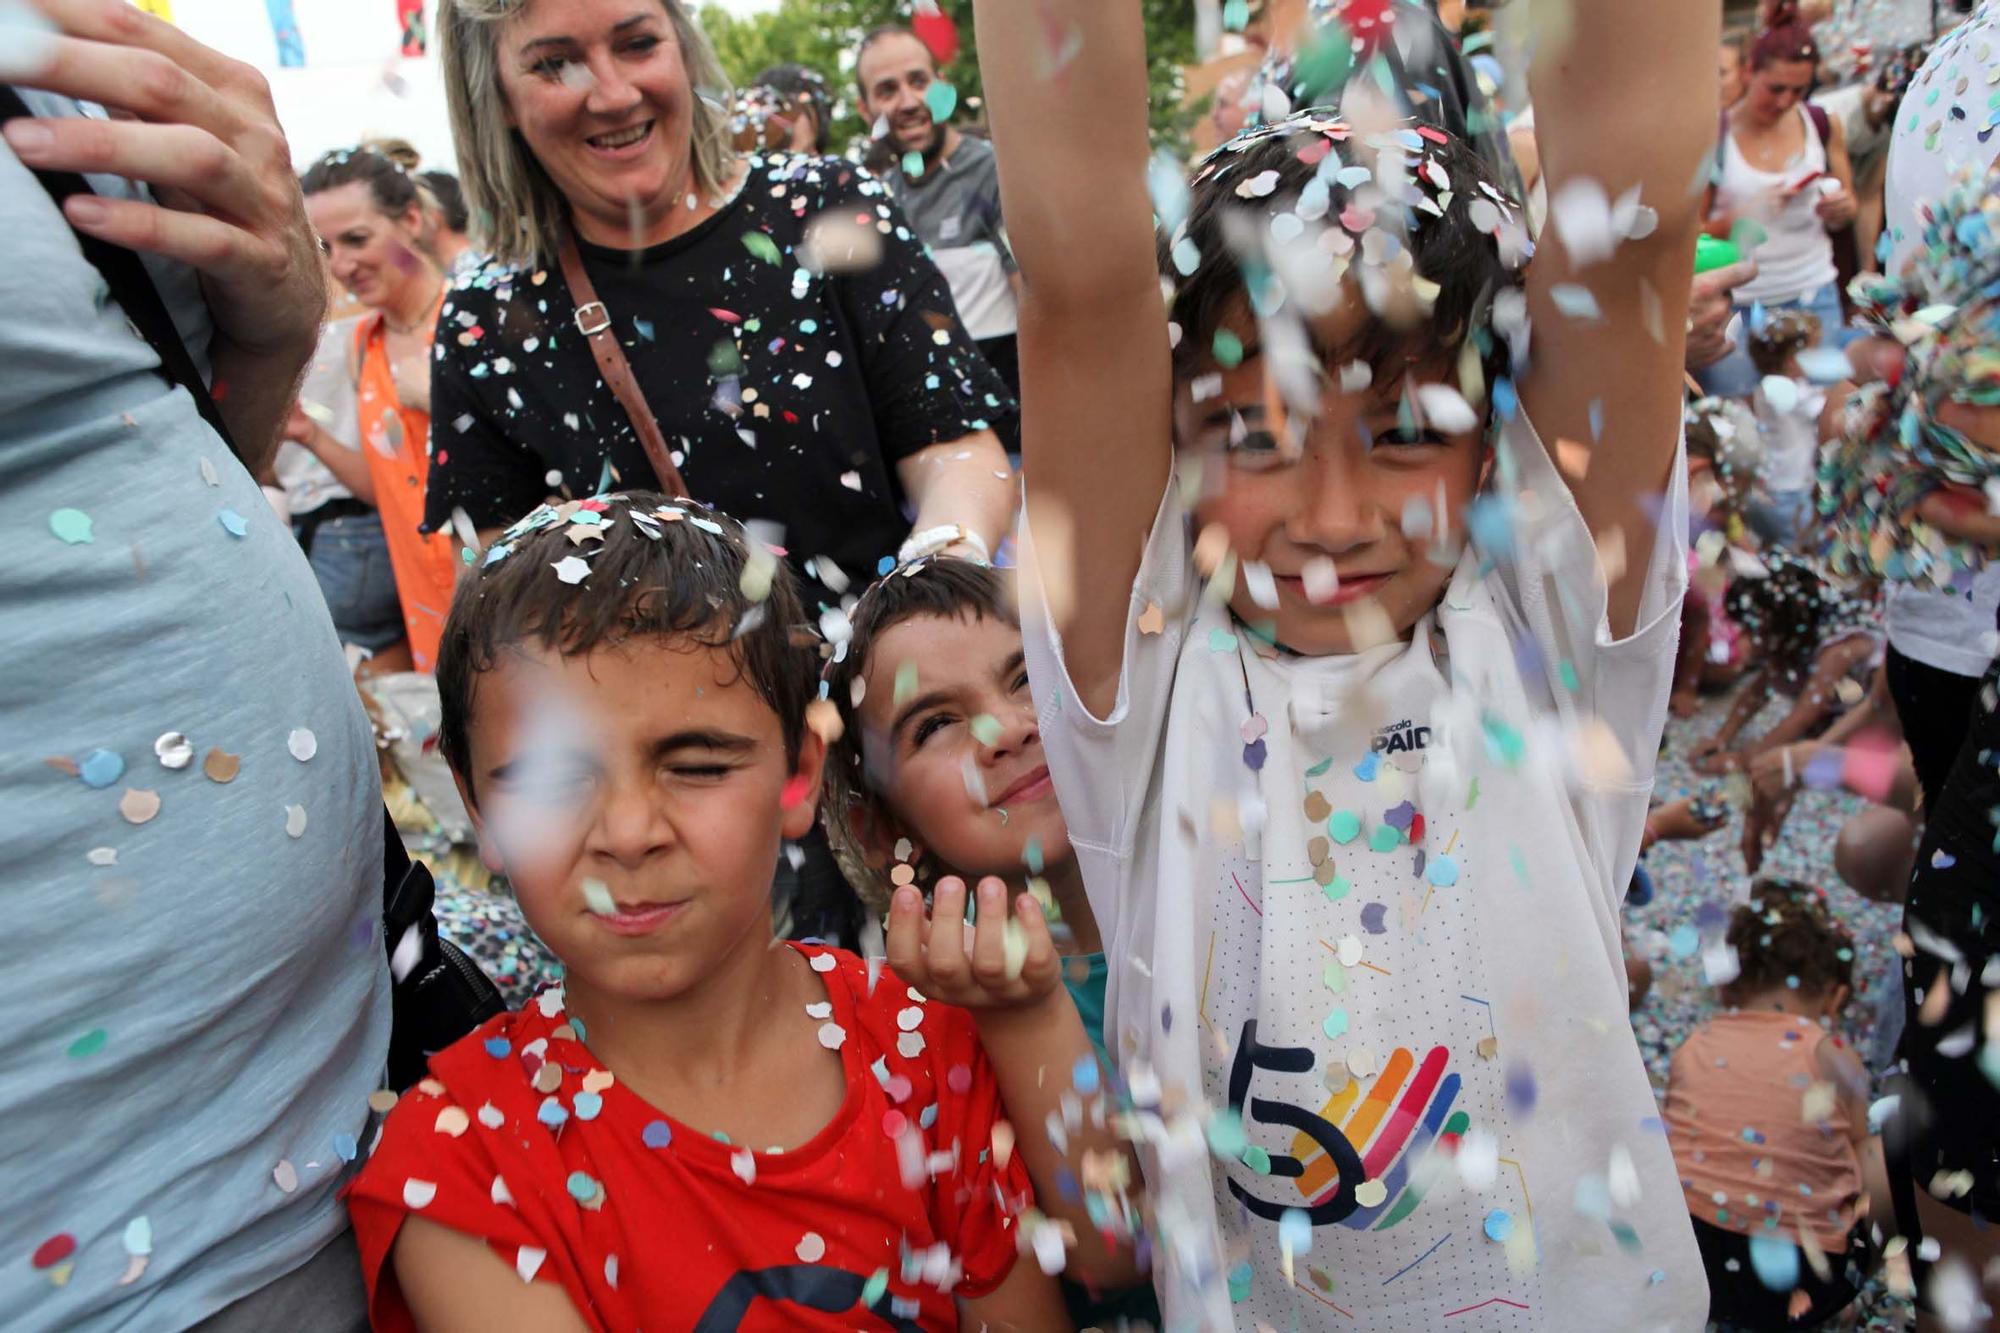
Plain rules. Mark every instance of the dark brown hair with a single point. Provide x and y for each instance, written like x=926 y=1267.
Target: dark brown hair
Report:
x=391 y=189
x=664 y=570
x=875 y=35
x=444 y=189
x=1785 y=937
x=1449 y=251
x=939 y=586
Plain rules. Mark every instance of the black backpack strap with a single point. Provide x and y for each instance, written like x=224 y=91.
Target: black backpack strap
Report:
x=131 y=286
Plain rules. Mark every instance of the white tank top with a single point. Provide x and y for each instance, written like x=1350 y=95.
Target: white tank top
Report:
x=1796 y=257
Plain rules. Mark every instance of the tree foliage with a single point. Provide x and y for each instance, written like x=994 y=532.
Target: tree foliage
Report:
x=823 y=34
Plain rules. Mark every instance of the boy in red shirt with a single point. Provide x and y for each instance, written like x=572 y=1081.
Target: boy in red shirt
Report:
x=704 y=1127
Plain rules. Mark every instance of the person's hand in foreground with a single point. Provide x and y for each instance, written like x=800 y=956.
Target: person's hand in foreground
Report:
x=1709 y=312
x=201 y=130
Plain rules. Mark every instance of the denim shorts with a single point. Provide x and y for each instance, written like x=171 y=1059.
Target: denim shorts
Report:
x=1735 y=377
x=350 y=558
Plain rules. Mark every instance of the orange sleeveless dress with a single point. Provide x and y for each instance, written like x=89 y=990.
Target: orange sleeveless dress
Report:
x=396 y=441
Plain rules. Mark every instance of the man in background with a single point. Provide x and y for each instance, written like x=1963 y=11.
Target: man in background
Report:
x=948 y=185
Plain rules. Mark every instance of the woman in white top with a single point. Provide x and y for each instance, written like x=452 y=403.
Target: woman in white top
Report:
x=1785 y=169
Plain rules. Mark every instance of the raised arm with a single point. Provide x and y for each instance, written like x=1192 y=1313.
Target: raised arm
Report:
x=1625 y=97
x=1066 y=91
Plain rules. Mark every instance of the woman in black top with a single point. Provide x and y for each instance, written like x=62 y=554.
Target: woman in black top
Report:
x=824 y=388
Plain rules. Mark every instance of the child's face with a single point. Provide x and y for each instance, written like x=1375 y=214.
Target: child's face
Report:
x=1365 y=497
x=954 y=757
x=637 y=797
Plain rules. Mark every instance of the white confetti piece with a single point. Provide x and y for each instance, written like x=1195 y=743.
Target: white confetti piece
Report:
x=611 y=1271
x=295 y=821
x=452 y=1120
x=302 y=743
x=208 y=473
x=571 y=569
x=910 y=1045
x=1581 y=213
x=173 y=750
x=597 y=897
x=419 y=1193
x=1575 y=301
x=102 y=856
x=811 y=1248
x=831 y=1035
x=286 y=1175
x=823 y=962
x=910 y=1019
x=490 y=1116
x=744 y=1163
x=528 y=1259
x=499 y=1192
x=1446 y=409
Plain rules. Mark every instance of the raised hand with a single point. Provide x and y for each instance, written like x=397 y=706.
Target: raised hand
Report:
x=1007 y=960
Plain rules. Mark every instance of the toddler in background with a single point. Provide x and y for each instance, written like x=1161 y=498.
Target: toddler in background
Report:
x=1767 y=1112
x=1722 y=461
x=1788 y=408
x=1811 y=641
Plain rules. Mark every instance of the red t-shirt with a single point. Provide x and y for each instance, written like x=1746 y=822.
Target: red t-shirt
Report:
x=647 y=1223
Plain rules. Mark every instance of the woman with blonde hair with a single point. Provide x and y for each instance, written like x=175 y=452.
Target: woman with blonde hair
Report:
x=761 y=330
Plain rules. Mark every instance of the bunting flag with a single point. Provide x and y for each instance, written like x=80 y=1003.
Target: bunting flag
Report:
x=416 y=35
x=157 y=8
x=285 y=28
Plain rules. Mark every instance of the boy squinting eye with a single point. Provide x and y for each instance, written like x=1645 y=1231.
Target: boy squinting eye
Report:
x=551 y=778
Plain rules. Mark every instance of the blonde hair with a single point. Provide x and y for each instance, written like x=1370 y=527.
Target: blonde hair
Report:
x=517 y=211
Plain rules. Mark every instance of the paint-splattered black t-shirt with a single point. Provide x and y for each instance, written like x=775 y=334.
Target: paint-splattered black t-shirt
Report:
x=786 y=394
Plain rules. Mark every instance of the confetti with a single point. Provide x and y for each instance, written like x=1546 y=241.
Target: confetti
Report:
x=72 y=526
x=138 y=805
x=295 y=821
x=173 y=750
x=528 y=1260
x=101 y=768
x=302 y=744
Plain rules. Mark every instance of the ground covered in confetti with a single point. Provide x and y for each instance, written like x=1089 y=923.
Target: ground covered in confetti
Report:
x=1690 y=875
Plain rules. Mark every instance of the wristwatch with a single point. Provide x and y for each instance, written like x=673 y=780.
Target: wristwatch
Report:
x=932 y=540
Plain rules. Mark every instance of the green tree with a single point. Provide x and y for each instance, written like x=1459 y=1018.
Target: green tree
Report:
x=823 y=34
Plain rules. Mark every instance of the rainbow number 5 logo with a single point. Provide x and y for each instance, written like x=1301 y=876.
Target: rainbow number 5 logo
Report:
x=1359 y=1135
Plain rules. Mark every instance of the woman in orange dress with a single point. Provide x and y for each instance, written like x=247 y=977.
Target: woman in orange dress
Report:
x=369 y=216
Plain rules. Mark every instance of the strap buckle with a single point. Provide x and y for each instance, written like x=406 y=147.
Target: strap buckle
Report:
x=597 y=324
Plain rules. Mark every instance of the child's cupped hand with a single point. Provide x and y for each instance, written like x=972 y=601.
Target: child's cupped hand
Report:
x=1007 y=960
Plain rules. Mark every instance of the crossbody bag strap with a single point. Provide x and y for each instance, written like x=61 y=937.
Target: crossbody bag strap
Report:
x=593 y=321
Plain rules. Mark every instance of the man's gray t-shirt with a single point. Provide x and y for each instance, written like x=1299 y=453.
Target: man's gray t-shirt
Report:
x=955 y=210
x=190 y=829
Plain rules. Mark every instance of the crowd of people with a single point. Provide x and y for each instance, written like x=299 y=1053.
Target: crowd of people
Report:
x=998 y=729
